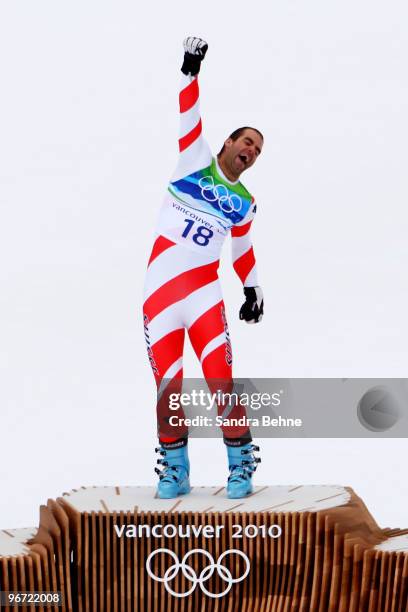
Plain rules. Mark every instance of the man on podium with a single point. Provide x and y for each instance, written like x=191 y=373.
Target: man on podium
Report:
x=205 y=201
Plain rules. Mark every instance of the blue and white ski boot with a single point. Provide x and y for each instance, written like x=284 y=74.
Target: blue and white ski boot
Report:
x=174 y=477
x=242 y=464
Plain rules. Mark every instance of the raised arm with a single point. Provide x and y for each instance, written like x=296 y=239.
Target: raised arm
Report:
x=244 y=263
x=194 y=150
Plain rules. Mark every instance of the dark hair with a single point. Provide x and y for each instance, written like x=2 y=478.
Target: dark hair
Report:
x=237 y=133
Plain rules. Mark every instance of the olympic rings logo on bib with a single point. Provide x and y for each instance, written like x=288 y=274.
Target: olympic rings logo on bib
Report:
x=191 y=575
x=228 y=202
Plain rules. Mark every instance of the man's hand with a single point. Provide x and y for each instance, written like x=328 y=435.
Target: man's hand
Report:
x=195 y=46
x=194 y=53
x=252 y=310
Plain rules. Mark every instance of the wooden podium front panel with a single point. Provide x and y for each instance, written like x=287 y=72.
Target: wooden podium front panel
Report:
x=330 y=555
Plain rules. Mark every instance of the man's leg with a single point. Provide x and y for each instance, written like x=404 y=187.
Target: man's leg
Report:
x=175 y=288
x=164 y=334
x=174 y=281
x=209 y=336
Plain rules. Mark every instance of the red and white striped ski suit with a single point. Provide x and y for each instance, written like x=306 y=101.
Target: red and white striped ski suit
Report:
x=182 y=290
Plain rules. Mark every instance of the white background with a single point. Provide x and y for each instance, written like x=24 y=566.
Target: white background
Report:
x=88 y=139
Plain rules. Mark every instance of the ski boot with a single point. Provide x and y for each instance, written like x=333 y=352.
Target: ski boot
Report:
x=174 y=478
x=242 y=464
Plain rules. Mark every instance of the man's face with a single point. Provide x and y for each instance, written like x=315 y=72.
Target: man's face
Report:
x=241 y=154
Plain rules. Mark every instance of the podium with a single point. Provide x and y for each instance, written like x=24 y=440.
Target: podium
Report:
x=283 y=548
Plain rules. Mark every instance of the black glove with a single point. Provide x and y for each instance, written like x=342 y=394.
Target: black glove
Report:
x=252 y=310
x=194 y=53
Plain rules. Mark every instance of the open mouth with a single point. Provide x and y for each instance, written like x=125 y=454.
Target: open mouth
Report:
x=243 y=158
